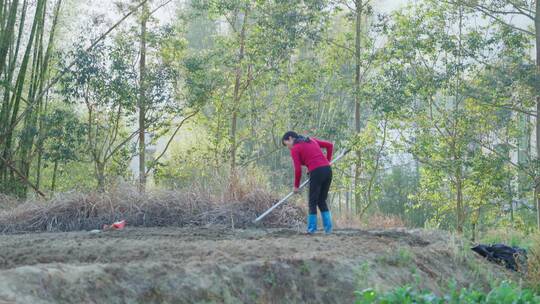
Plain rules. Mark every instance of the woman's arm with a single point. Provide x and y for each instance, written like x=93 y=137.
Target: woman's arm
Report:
x=297 y=167
x=327 y=145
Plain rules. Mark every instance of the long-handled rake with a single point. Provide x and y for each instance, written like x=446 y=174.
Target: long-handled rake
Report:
x=283 y=200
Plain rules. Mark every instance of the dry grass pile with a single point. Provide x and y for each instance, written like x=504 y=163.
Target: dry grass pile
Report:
x=8 y=202
x=76 y=211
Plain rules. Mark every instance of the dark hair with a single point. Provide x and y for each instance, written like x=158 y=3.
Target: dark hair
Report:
x=297 y=138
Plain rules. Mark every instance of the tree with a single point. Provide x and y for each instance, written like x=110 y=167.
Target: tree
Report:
x=262 y=38
x=107 y=91
x=145 y=14
x=63 y=139
x=24 y=68
x=440 y=120
x=26 y=71
x=501 y=12
x=359 y=10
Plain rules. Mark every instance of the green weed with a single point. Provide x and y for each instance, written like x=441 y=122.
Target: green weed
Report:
x=504 y=293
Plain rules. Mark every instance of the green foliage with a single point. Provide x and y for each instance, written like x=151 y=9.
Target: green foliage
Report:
x=399 y=184
x=107 y=92
x=371 y=143
x=425 y=86
x=187 y=163
x=247 y=107
x=507 y=236
x=504 y=293
x=201 y=79
x=71 y=176
x=192 y=164
x=64 y=136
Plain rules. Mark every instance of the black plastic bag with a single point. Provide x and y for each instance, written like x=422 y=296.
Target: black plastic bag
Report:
x=513 y=258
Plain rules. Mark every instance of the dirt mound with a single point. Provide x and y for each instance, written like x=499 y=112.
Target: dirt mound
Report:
x=76 y=211
x=188 y=265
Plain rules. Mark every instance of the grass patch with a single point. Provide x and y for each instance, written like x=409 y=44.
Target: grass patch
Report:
x=508 y=237
x=399 y=258
x=504 y=293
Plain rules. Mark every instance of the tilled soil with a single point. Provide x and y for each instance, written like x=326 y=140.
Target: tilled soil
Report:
x=213 y=265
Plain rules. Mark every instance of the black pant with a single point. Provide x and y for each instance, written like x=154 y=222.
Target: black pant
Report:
x=319 y=184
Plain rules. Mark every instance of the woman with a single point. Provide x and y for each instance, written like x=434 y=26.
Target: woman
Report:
x=307 y=151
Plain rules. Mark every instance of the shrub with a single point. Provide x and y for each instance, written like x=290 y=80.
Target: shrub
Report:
x=533 y=261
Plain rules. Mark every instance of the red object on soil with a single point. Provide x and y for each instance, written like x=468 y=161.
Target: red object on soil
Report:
x=119 y=225
x=115 y=226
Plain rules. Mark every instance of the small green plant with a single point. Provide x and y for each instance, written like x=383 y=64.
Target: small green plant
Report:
x=304 y=268
x=504 y=293
x=270 y=278
x=362 y=274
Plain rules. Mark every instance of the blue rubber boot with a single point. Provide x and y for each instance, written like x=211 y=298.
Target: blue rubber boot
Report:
x=327 y=221
x=312 y=223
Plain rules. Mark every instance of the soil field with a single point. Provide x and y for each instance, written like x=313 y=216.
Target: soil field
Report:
x=218 y=265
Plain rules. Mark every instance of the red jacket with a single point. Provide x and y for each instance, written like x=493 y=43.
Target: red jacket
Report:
x=309 y=154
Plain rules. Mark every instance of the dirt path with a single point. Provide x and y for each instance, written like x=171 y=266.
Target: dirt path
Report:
x=197 y=265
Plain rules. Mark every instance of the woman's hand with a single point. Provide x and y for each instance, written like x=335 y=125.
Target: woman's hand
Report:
x=296 y=190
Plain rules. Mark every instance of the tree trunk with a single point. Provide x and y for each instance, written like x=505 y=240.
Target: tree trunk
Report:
x=357 y=169
x=142 y=101
x=512 y=213
x=7 y=104
x=7 y=33
x=347 y=205
x=44 y=74
x=537 y=184
x=339 y=203
x=27 y=142
x=38 y=164
x=55 y=170
x=100 y=176
x=236 y=97
x=510 y=191
x=457 y=155
x=474 y=225
x=357 y=65
x=459 y=200
x=16 y=98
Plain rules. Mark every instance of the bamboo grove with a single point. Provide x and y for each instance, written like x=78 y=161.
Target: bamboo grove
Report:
x=24 y=85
